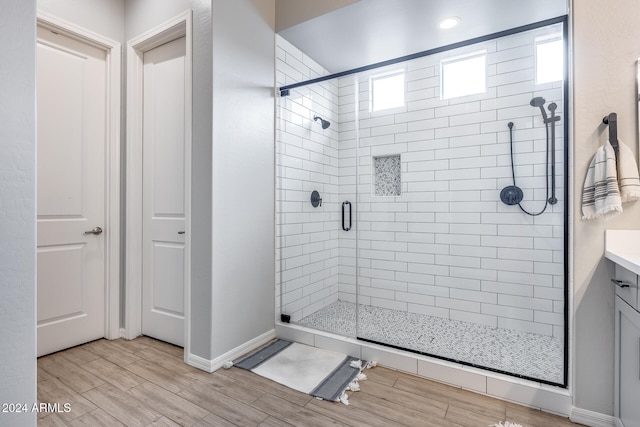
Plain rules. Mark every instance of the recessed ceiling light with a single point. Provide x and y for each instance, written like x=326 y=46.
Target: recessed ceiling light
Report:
x=449 y=22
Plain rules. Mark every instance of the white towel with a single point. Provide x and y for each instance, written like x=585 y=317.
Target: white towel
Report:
x=601 y=194
x=628 y=179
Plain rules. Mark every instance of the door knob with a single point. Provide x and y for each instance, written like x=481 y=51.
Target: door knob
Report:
x=94 y=230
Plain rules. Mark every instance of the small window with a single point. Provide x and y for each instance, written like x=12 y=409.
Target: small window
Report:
x=549 y=60
x=462 y=76
x=387 y=91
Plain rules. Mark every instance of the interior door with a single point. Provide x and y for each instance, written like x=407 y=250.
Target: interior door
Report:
x=71 y=191
x=164 y=192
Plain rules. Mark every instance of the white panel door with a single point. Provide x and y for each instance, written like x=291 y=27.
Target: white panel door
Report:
x=71 y=191
x=163 y=189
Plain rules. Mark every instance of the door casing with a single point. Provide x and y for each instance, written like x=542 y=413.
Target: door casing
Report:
x=112 y=158
x=179 y=26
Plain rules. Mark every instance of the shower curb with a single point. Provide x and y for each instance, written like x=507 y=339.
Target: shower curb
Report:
x=529 y=393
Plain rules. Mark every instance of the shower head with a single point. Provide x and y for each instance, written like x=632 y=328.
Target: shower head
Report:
x=539 y=101
x=325 y=123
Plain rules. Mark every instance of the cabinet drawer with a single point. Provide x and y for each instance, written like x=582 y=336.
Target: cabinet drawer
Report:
x=628 y=291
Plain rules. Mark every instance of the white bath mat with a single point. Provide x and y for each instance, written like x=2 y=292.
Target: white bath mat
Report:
x=321 y=373
x=506 y=424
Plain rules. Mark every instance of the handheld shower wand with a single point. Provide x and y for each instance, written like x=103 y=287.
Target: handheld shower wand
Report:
x=512 y=194
x=539 y=101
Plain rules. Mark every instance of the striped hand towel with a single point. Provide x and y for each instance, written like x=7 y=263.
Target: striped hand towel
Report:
x=628 y=174
x=601 y=194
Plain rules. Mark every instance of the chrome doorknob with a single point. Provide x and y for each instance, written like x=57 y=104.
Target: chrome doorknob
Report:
x=94 y=230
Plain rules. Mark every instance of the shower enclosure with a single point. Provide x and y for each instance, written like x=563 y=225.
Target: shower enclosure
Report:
x=390 y=223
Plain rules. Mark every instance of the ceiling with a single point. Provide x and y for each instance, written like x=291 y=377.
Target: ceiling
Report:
x=370 y=31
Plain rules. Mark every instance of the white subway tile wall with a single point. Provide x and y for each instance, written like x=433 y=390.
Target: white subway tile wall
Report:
x=446 y=246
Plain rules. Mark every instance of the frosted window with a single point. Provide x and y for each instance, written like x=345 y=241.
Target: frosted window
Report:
x=549 y=61
x=387 y=91
x=463 y=76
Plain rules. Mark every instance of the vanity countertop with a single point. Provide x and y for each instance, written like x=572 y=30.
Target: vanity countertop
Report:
x=623 y=248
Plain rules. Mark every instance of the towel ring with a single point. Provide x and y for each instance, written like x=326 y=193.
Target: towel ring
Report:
x=612 y=121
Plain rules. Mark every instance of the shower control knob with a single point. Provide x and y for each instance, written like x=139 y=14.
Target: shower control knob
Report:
x=316 y=200
x=511 y=195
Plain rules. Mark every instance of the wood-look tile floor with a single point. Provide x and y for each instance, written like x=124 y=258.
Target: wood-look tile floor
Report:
x=144 y=382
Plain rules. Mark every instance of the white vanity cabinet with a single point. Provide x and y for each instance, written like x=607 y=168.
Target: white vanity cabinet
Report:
x=627 y=349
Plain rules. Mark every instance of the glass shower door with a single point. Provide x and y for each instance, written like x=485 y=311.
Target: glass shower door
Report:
x=445 y=268
x=316 y=181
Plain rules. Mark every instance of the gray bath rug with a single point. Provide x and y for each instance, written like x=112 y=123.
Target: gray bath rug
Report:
x=321 y=373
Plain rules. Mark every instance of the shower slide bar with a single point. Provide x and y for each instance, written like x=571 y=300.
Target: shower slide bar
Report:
x=552 y=108
x=343 y=224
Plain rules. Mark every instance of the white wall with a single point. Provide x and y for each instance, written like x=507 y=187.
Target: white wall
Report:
x=104 y=17
x=292 y=12
x=17 y=208
x=606 y=45
x=243 y=172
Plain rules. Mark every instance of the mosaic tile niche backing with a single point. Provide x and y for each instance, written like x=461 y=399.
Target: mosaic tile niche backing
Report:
x=387 y=177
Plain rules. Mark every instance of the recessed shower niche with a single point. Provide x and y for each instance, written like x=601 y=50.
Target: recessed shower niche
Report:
x=387 y=176
x=434 y=262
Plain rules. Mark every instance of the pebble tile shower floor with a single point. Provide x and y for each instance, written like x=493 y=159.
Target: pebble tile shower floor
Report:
x=521 y=353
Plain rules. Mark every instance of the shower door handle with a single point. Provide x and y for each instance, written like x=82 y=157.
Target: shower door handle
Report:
x=345 y=228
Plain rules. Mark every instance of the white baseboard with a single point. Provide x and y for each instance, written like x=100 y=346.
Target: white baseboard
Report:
x=593 y=419
x=215 y=364
x=199 y=362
